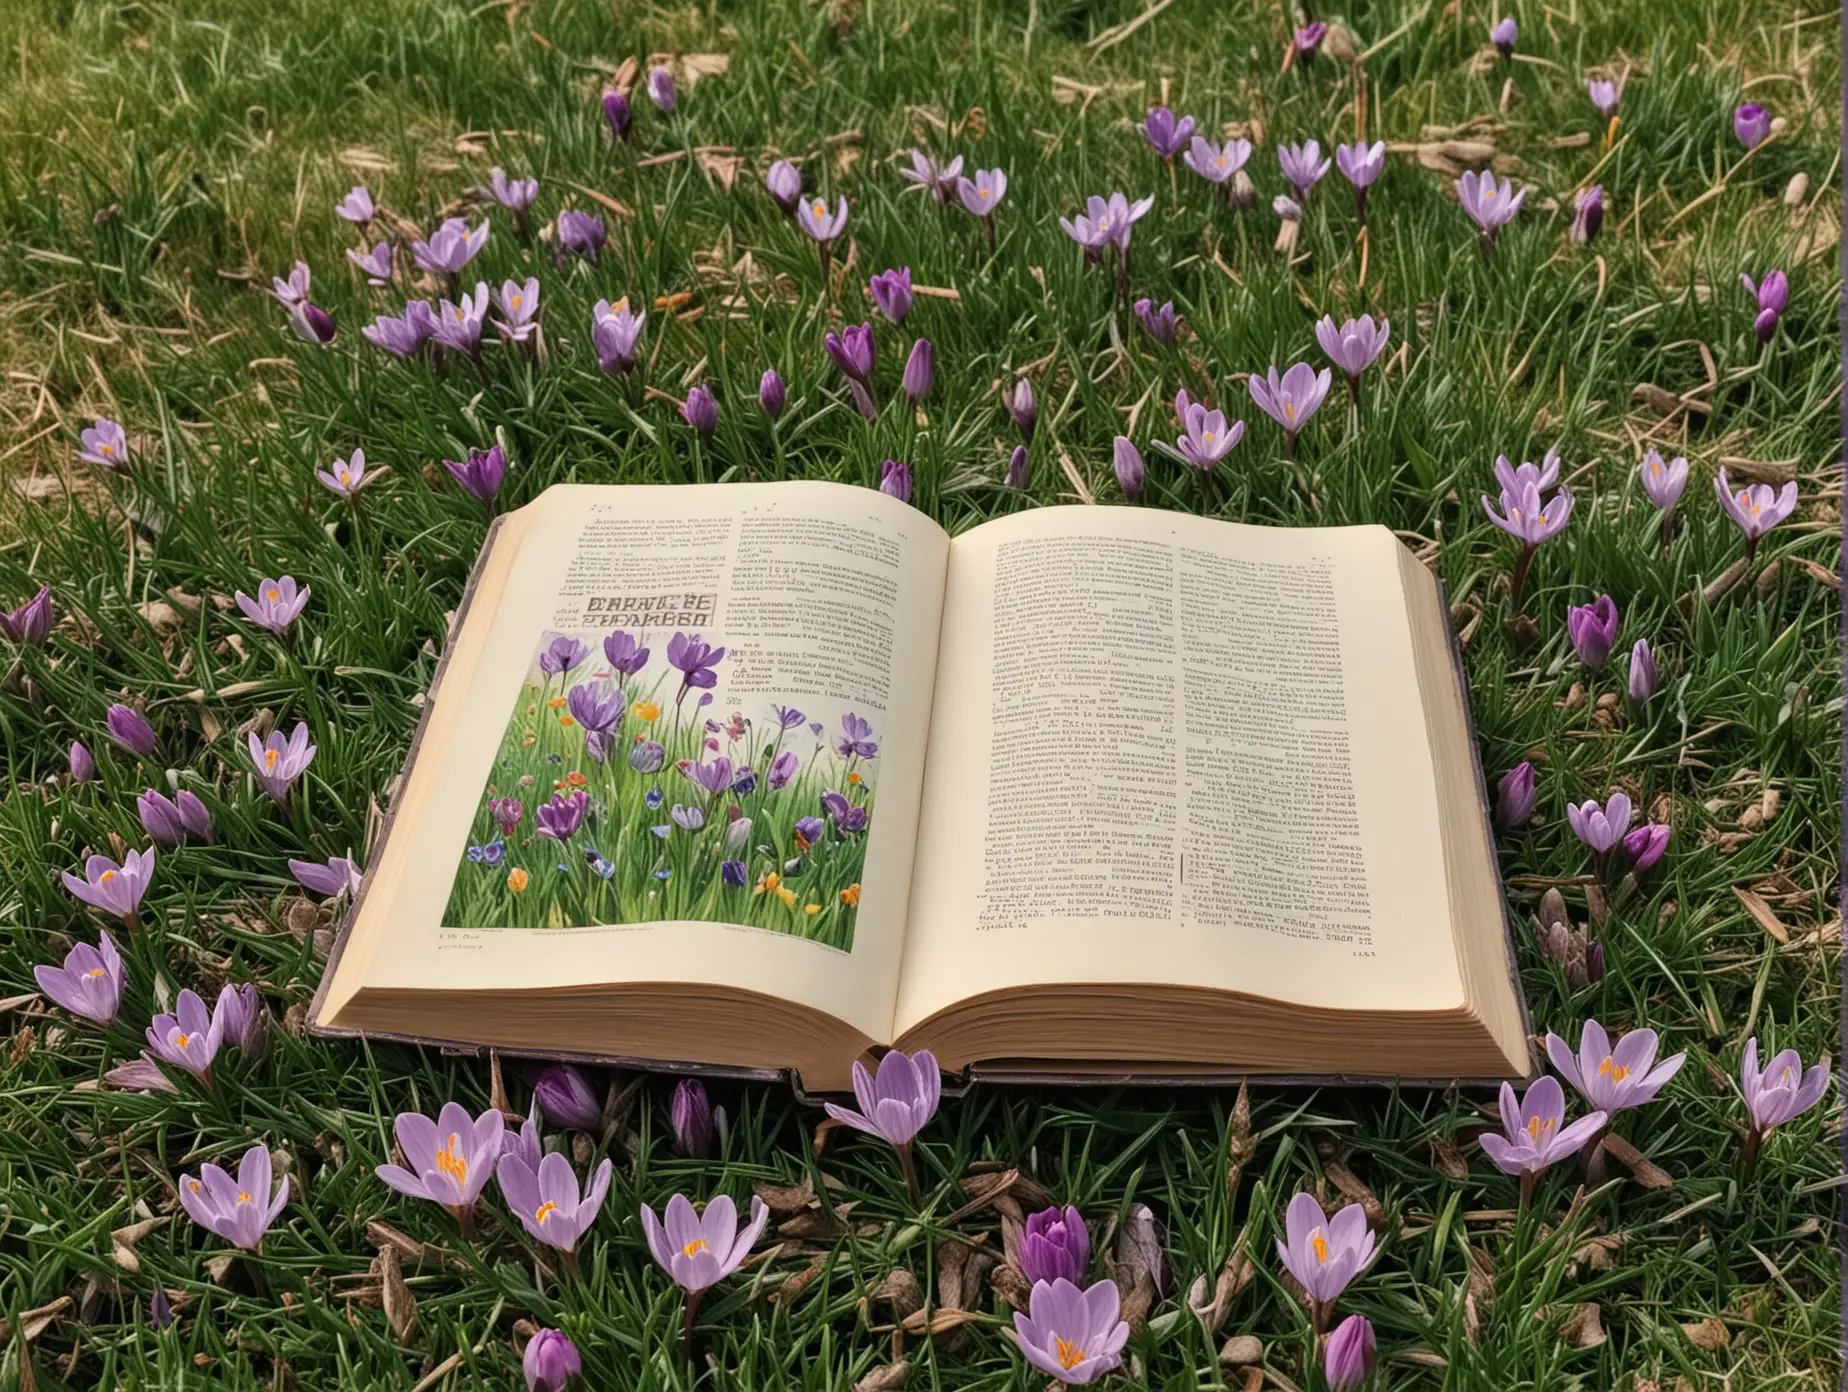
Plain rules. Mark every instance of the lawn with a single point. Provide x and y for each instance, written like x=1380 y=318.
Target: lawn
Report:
x=160 y=163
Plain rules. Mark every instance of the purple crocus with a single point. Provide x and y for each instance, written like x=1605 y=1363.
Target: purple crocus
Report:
x=1159 y=323
x=515 y=195
x=812 y=217
x=1612 y=1079
x=481 y=474
x=579 y=234
x=782 y=770
x=1217 y=163
x=357 y=207
x=458 y=325
x=30 y=623
x=332 y=877
x=1645 y=846
x=1324 y=1254
x=624 y=654
x=1106 y=222
x=700 y=1250
x=853 y=351
x=239 y=1014
x=1070 y=1334
x=1207 y=438
x=519 y=307
x=375 y=265
x=690 y=1112
x=189 y=1038
x=1022 y=409
x=403 y=335
x=1503 y=36
x=560 y=818
x=895 y=480
x=614 y=333
x=130 y=729
x=1015 y=475
x=1779 y=1092
x=844 y=814
x=856 y=738
x=1308 y=39
x=1167 y=136
x=1593 y=630
x=596 y=705
x=279 y=762
x=1492 y=204
x=1056 y=1246
x=547 y=1202
x=239 y=1210
x=1126 y=460
x=1600 y=828
x=895 y=1103
x=661 y=89
x=291 y=291
x=1353 y=347
x=926 y=173
x=115 y=889
x=1752 y=124
x=981 y=195
x=169 y=821
x=89 y=984
x=701 y=410
x=1347 y=1358
x=1756 y=508
x=694 y=659
x=715 y=777
x=551 y=1360
x=1303 y=166
x=1524 y=516
x=83 y=765
x=312 y=324
x=920 y=370
x=784 y=181
x=447 y=1161
x=278 y=604
x=891 y=291
x=1662 y=482
x=617 y=113
x=1605 y=95
x=1290 y=399
x=1642 y=683
x=1587 y=216
x=451 y=247
x=771 y=393
x=647 y=756
x=1363 y=164
x=1537 y=1135
x=104 y=443
x=1514 y=796
x=1772 y=294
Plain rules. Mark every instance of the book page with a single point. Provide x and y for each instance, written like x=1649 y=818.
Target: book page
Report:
x=685 y=744
x=1172 y=750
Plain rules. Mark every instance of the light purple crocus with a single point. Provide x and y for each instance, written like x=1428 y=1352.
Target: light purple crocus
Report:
x=551 y=1360
x=1159 y=323
x=292 y=290
x=278 y=603
x=1167 y=136
x=700 y=1250
x=30 y=623
x=1303 y=166
x=169 y=821
x=891 y=291
x=1601 y=828
x=784 y=182
x=614 y=333
x=130 y=729
x=1353 y=347
x=240 y=1018
x=1022 y=409
x=89 y=984
x=104 y=443
x=547 y=1202
x=695 y=660
x=1752 y=124
x=1645 y=846
x=1071 y=1334
x=895 y=1103
x=450 y=248
x=1756 y=508
x=1055 y=1246
x=1587 y=216
x=895 y=480
x=1524 y=516
x=1593 y=630
x=1514 y=796
x=1663 y=482
x=596 y=705
x=560 y=818
x=562 y=654
x=1363 y=164
x=1207 y=438
x=1347 y=1359
x=1537 y=1135
x=1642 y=681
x=189 y=1038
x=926 y=173
x=661 y=89
x=580 y=234
x=981 y=195
x=115 y=889
x=403 y=335
x=239 y=1210
x=783 y=768
x=1217 y=163
x=1503 y=36
x=771 y=393
x=519 y=307
x=481 y=474
x=1324 y=1254
x=1772 y=295
x=1605 y=94
x=1613 y=1079
x=458 y=325
x=1779 y=1092
x=714 y=776
x=1126 y=461
x=333 y=877
x=447 y=1161
x=701 y=410
x=347 y=476
x=1015 y=475
x=1308 y=39
x=375 y=265
x=1492 y=204
x=812 y=217
x=279 y=762
x=515 y=195
x=920 y=370
x=1106 y=222
x=853 y=351
x=83 y=764
x=357 y=207
x=690 y=1115
x=1290 y=399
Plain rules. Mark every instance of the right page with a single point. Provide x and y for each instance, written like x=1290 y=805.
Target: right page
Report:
x=1175 y=751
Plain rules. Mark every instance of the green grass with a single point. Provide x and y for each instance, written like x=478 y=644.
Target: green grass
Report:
x=158 y=163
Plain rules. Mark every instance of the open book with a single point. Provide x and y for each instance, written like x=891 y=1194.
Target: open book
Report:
x=757 y=777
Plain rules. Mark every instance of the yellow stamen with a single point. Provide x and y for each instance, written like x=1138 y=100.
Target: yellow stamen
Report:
x=243 y=1198
x=96 y=971
x=196 y=1186
x=544 y=1208
x=1070 y=1355
x=819 y=209
x=451 y=1164
x=269 y=759
x=106 y=877
x=1320 y=1244
x=516 y=300
x=1540 y=1128
x=272 y=594
x=1613 y=1070
x=182 y=1040
x=1289 y=410
x=345 y=477
x=983 y=191
x=694 y=1247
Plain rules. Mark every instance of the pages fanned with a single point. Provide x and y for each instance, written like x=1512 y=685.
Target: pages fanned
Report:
x=759 y=777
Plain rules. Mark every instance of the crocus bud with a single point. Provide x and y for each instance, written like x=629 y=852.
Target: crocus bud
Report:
x=1055 y=1246
x=1347 y=1362
x=1772 y=294
x=160 y=1309
x=891 y=291
x=1588 y=215
x=1514 y=796
x=1129 y=471
x=1158 y=322
x=239 y=1014
x=1503 y=37
x=313 y=323
x=895 y=480
x=1242 y=192
x=770 y=393
x=1593 y=629
x=784 y=181
x=920 y=370
x=130 y=729
x=1017 y=468
x=1642 y=672
x=1645 y=846
x=169 y=821
x=691 y=1114
x=616 y=112
x=701 y=411
x=1309 y=38
x=83 y=767
x=31 y=621
x=1752 y=124
x=1021 y=407
x=551 y=1360
x=661 y=88
x=566 y=1099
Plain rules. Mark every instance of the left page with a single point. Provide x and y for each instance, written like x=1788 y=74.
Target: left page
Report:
x=682 y=740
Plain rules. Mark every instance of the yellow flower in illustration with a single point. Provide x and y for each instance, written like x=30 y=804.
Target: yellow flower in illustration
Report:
x=855 y=779
x=811 y=908
x=517 y=880
x=773 y=883
x=647 y=710
x=850 y=896
x=555 y=703
x=566 y=721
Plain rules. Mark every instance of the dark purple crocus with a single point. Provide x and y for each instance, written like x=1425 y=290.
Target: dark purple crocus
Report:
x=616 y=112
x=562 y=654
x=701 y=411
x=83 y=766
x=732 y=874
x=562 y=816
x=1593 y=629
x=580 y=234
x=160 y=1310
x=1514 y=796
x=808 y=831
x=1021 y=409
x=1752 y=124
x=771 y=394
x=891 y=291
x=1016 y=475
x=169 y=821
x=130 y=729
x=1772 y=294
x=1587 y=216
x=1167 y=136
x=506 y=812
x=691 y=1110
x=853 y=351
x=895 y=480
x=566 y=1098
x=1308 y=39
x=1347 y=1360
x=551 y=1359
x=784 y=182
x=782 y=770
x=1130 y=474
x=481 y=473
x=1645 y=846
x=694 y=659
x=624 y=654
x=312 y=324
x=843 y=813
x=920 y=370
x=1159 y=322
x=1056 y=1245
x=31 y=621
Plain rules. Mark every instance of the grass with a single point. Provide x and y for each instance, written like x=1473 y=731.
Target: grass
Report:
x=160 y=163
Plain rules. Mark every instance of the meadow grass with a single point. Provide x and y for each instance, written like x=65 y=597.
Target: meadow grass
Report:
x=158 y=163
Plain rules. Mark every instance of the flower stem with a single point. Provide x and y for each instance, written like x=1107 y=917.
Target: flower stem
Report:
x=1748 y=1157
x=911 y=1174
x=686 y=1325
x=1519 y=580
x=1530 y=1179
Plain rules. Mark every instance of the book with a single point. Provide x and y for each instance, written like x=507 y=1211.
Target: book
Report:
x=761 y=777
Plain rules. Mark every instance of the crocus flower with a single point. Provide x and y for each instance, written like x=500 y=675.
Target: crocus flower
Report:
x=83 y=766
x=563 y=815
x=1015 y=476
x=687 y=818
x=926 y=173
x=169 y=821
x=1587 y=215
x=700 y=1250
x=1780 y=1092
x=646 y=756
x=813 y=218
x=1056 y=1246
x=1605 y=95
x=1208 y=439
x=357 y=207
x=312 y=324
x=624 y=654
x=515 y=195
x=596 y=705
x=661 y=88
x=1503 y=36
x=519 y=307
x=1363 y=164
x=701 y=410
x=239 y=1016
x=895 y=480
x=277 y=605
x=1167 y=137
x=920 y=370
x=336 y=876
x=614 y=333
x=1324 y=1254
x=616 y=111
x=292 y=290
x=895 y=1103
x=1663 y=482
x=188 y=1038
x=1217 y=163
x=401 y=336
x=1347 y=1359
x=280 y=762
x=690 y=1114
x=458 y=326
x=239 y=1210
x=1130 y=474
x=1524 y=516
x=1021 y=409
x=1514 y=796
x=375 y=265
x=1353 y=347
x=1290 y=399
x=808 y=831
x=89 y=984
x=447 y=1161
x=1755 y=508
x=1158 y=322
x=1493 y=205
x=546 y=1201
x=581 y=234
x=104 y=443
x=1537 y=1135
x=481 y=473
x=1752 y=124
x=1613 y=1079
x=450 y=248
x=115 y=889
x=891 y=291
x=1642 y=672
x=507 y=811
x=1302 y=165
x=1593 y=630
x=771 y=393
x=856 y=738
x=1106 y=222
x=1071 y=1334
x=843 y=813
x=1600 y=828
x=160 y=1310
x=1645 y=846
x=551 y=1360
x=981 y=195
x=31 y=621
x=1772 y=294
x=783 y=767
x=563 y=654
x=130 y=729
x=853 y=351
x=784 y=181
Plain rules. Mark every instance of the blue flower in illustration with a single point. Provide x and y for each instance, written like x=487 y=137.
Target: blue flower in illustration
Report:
x=661 y=831
x=556 y=758
x=654 y=799
x=664 y=873
x=598 y=863
x=732 y=872
x=744 y=781
x=489 y=854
